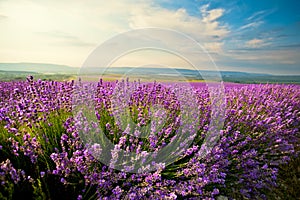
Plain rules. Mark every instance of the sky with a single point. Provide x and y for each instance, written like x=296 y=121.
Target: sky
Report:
x=240 y=35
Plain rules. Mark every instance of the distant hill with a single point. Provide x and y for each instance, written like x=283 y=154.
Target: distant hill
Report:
x=38 y=68
x=167 y=73
x=164 y=71
x=21 y=69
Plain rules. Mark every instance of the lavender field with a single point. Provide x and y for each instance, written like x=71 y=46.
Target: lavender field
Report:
x=43 y=156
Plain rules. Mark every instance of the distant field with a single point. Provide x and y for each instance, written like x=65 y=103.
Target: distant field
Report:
x=21 y=75
x=19 y=71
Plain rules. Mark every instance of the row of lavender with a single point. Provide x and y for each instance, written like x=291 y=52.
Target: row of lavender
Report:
x=43 y=156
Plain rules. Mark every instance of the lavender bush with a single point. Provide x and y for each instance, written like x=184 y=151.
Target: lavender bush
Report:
x=44 y=156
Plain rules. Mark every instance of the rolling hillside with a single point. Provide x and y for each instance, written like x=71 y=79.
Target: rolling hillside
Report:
x=13 y=71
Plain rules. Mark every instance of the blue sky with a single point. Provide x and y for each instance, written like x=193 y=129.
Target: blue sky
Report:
x=241 y=35
x=256 y=27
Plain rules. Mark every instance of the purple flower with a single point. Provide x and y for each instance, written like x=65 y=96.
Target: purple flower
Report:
x=62 y=180
x=215 y=192
x=42 y=174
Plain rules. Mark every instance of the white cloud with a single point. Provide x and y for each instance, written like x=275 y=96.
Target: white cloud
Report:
x=255 y=43
x=212 y=15
x=251 y=25
x=201 y=28
x=257 y=14
x=260 y=14
x=266 y=56
x=65 y=32
x=214 y=47
x=146 y=57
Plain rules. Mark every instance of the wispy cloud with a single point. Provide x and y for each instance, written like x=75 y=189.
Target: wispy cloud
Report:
x=2 y=17
x=212 y=15
x=266 y=56
x=52 y=29
x=205 y=29
x=290 y=46
x=251 y=25
x=261 y=14
x=59 y=34
x=67 y=31
x=257 y=14
x=67 y=39
x=255 y=43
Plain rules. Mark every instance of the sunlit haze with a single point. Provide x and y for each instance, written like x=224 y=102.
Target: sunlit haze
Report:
x=251 y=36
